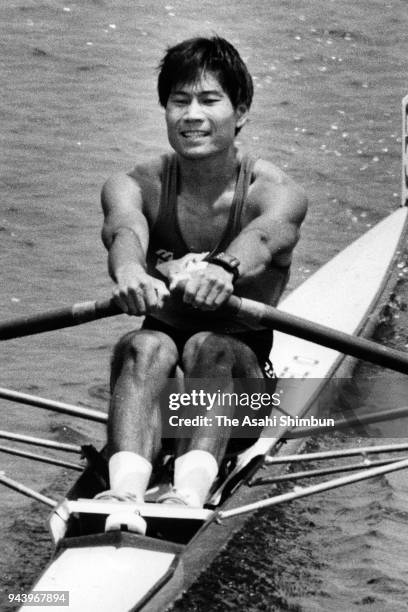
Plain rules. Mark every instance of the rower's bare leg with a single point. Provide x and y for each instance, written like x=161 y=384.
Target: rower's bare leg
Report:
x=210 y=356
x=141 y=365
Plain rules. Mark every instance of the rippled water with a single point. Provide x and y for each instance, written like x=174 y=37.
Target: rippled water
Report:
x=78 y=102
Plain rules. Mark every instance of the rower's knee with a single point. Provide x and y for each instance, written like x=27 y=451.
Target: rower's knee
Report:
x=208 y=353
x=146 y=353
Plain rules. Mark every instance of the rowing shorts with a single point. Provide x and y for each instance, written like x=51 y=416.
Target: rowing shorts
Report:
x=260 y=341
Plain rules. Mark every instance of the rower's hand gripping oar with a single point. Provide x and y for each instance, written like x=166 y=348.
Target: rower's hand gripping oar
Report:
x=249 y=312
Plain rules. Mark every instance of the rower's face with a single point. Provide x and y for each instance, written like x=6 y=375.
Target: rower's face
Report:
x=201 y=120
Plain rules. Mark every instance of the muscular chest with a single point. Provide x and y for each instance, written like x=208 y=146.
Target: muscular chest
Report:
x=201 y=226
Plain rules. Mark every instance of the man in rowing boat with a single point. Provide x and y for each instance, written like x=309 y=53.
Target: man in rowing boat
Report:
x=183 y=233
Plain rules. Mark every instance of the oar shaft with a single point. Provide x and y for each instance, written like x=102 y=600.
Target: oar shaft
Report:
x=82 y=312
x=256 y=313
x=41 y=402
x=249 y=311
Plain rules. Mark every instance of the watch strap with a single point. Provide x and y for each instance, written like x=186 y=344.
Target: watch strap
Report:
x=226 y=261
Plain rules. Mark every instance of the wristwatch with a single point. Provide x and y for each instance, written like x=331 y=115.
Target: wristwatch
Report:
x=228 y=262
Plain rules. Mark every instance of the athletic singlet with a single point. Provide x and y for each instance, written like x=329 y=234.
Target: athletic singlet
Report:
x=166 y=243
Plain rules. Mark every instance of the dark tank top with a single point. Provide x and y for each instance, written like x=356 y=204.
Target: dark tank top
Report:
x=166 y=240
x=166 y=243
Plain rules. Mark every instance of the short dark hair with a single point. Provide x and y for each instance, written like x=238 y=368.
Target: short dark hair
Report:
x=185 y=62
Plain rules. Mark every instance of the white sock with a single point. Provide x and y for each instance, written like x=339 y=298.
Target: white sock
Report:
x=194 y=473
x=129 y=473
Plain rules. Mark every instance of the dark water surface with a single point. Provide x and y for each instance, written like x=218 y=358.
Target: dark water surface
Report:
x=78 y=102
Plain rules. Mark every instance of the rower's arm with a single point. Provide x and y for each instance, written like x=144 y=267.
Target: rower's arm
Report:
x=273 y=233
x=125 y=234
x=125 y=231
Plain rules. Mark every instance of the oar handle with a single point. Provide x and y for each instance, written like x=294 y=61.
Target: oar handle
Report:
x=82 y=312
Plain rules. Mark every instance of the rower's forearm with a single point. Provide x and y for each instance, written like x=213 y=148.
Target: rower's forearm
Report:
x=255 y=251
x=125 y=253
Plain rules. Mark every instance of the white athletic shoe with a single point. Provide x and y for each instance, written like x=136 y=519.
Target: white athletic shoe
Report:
x=173 y=497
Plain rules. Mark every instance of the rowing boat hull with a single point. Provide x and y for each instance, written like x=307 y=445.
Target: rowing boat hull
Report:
x=129 y=572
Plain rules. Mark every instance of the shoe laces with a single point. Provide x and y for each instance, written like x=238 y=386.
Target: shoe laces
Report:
x=116 y=496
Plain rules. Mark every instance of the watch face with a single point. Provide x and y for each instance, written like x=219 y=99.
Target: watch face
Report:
x=228 y=259
x=228 y=262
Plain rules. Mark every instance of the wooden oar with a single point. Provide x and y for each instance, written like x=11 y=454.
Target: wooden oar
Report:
x=256 y=313
x=249 y=312
x=82 y=312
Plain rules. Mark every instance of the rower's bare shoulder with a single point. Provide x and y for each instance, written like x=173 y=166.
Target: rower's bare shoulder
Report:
x=269 y=175
x=147 y=173
x=273 y=188
x=140 y=186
